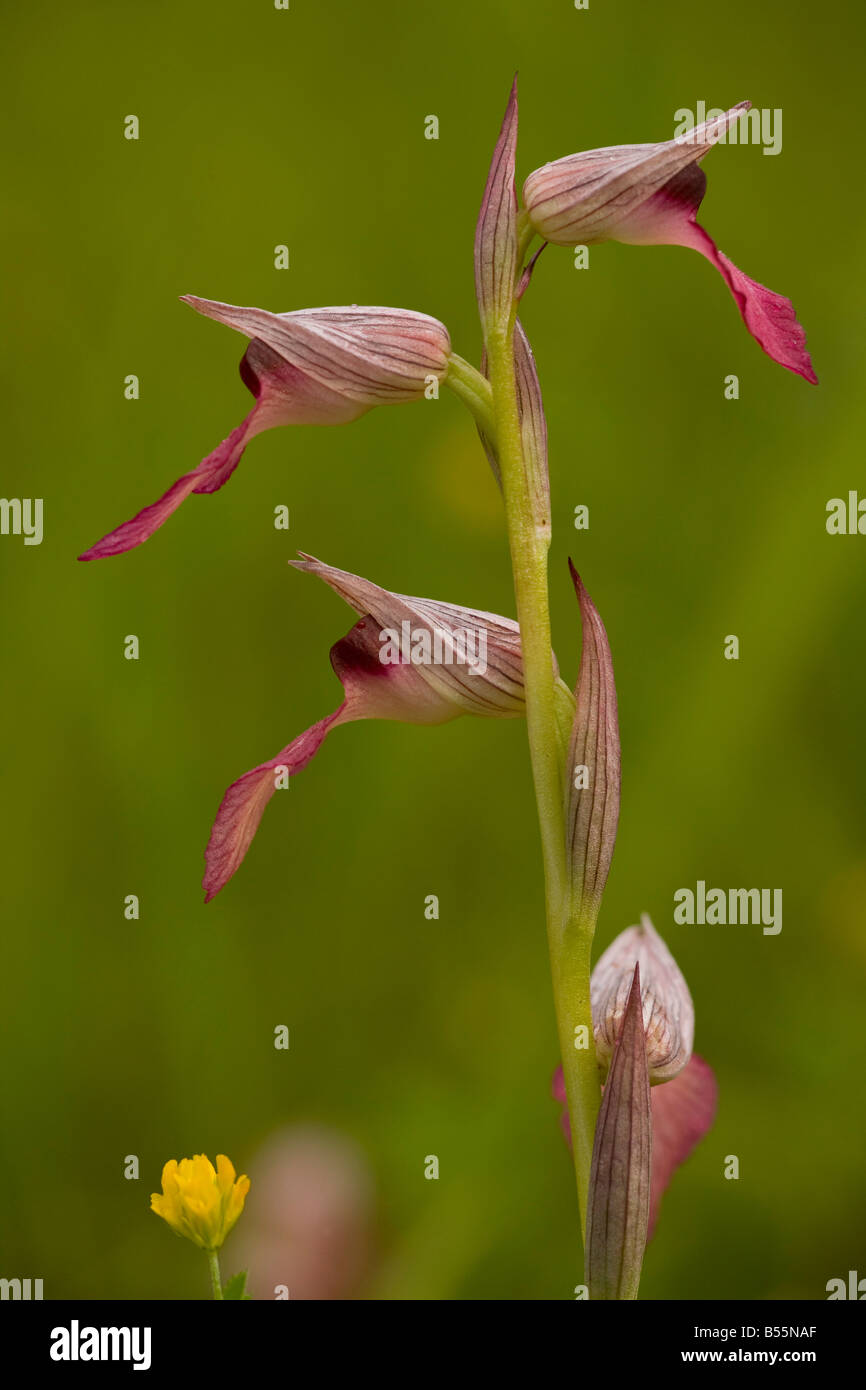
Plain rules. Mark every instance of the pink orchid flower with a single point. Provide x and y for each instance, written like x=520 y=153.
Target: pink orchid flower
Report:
x=308 y=367
x=683 y=1091
x=647 y=195
x=413 y=660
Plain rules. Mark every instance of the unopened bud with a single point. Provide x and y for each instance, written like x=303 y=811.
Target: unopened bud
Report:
x=668 y=1012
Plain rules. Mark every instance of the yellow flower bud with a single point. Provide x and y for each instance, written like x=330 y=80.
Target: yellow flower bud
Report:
x=200 y=1202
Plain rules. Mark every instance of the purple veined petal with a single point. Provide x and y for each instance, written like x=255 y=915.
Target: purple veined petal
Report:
x=492 y=685
x=584 y=198
x=683 y=1111
x=496 y=230
x=668 y=1011
x=592 y=811
x=309 y=367
x=669 y=218
x=410 y=691
x=363 y=353
x=619 y=1181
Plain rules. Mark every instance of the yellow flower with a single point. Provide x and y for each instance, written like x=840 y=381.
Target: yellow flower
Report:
x=199 y=1202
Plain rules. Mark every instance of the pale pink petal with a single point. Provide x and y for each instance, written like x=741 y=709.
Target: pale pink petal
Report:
x=364 y=354
x=668 y=1011
x=430 y=689
x=586 y=197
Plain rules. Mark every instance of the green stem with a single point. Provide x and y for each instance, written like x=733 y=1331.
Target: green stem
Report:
x=570 y=963
x=216 y=1281
x=569 y=949
x=525 y=237
x=474 y=390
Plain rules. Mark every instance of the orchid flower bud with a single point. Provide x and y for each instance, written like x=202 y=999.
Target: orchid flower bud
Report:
x=620 y=1180
x=594 y=765
x=496 y=264
x=683 y=1110
x=410 y=659
x=496 y=242
x=308 y=367
x=668 y=1012
x=647 y=195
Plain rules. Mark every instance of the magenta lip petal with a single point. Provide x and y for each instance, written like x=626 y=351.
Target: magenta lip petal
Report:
x=243 y=805
x=670 y=218
x=210 y=475
x=769 y=317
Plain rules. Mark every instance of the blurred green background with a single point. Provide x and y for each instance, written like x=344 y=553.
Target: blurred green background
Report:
x=412 y=1037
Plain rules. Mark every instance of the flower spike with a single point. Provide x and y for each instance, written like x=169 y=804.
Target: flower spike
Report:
x=308 y=367
x=646 y=195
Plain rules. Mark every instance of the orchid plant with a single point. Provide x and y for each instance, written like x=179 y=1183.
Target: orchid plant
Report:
x=637 y=1099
